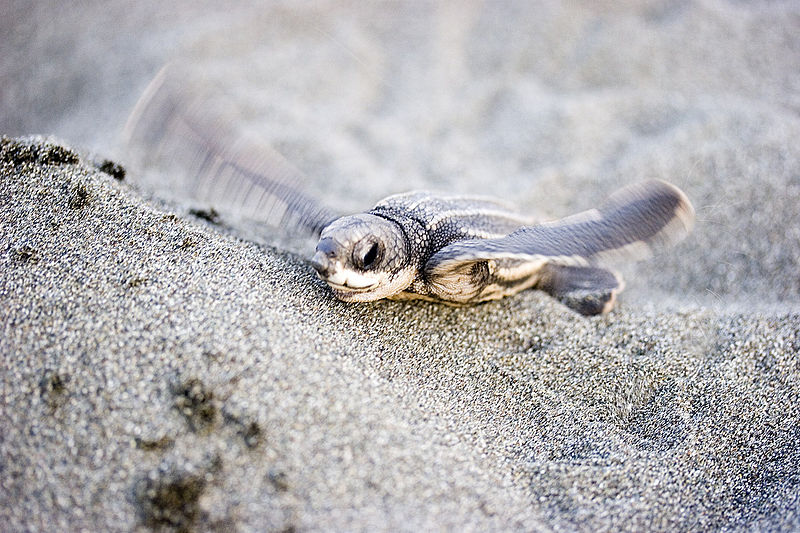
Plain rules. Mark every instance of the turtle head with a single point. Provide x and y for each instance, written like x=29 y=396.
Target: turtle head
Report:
x=363 y=258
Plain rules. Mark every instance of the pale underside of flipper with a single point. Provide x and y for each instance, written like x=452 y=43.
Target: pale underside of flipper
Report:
x=183 y=128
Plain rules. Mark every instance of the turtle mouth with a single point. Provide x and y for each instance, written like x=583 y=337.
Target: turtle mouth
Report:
x=343 y=281
x=345 y=288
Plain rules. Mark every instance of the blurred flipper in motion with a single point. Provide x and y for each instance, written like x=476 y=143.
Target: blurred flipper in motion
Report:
x=182 y=129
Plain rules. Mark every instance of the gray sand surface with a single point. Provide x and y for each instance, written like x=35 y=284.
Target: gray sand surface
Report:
x=161 y=372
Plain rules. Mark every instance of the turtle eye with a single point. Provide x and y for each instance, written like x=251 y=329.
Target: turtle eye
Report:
x=371 y=255
x=367 y=255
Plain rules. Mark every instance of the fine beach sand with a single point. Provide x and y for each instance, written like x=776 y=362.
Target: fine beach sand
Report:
x=160 y=371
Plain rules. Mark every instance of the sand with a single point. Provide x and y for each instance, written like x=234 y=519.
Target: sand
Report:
x=163 y=372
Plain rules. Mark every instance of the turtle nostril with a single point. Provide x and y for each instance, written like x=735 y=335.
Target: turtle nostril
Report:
x=321 y=263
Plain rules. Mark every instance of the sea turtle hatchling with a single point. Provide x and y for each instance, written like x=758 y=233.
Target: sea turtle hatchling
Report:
x=457 y=250
x=463 y=250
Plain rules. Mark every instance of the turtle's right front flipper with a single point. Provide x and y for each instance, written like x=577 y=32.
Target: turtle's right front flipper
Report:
x=634 y=221
x=182 y=128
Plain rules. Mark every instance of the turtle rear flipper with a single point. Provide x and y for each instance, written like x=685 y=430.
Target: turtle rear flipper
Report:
x=587 y=290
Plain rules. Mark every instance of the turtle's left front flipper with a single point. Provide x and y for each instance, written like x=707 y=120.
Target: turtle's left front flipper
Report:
x=635 y=221
x=186 y=129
